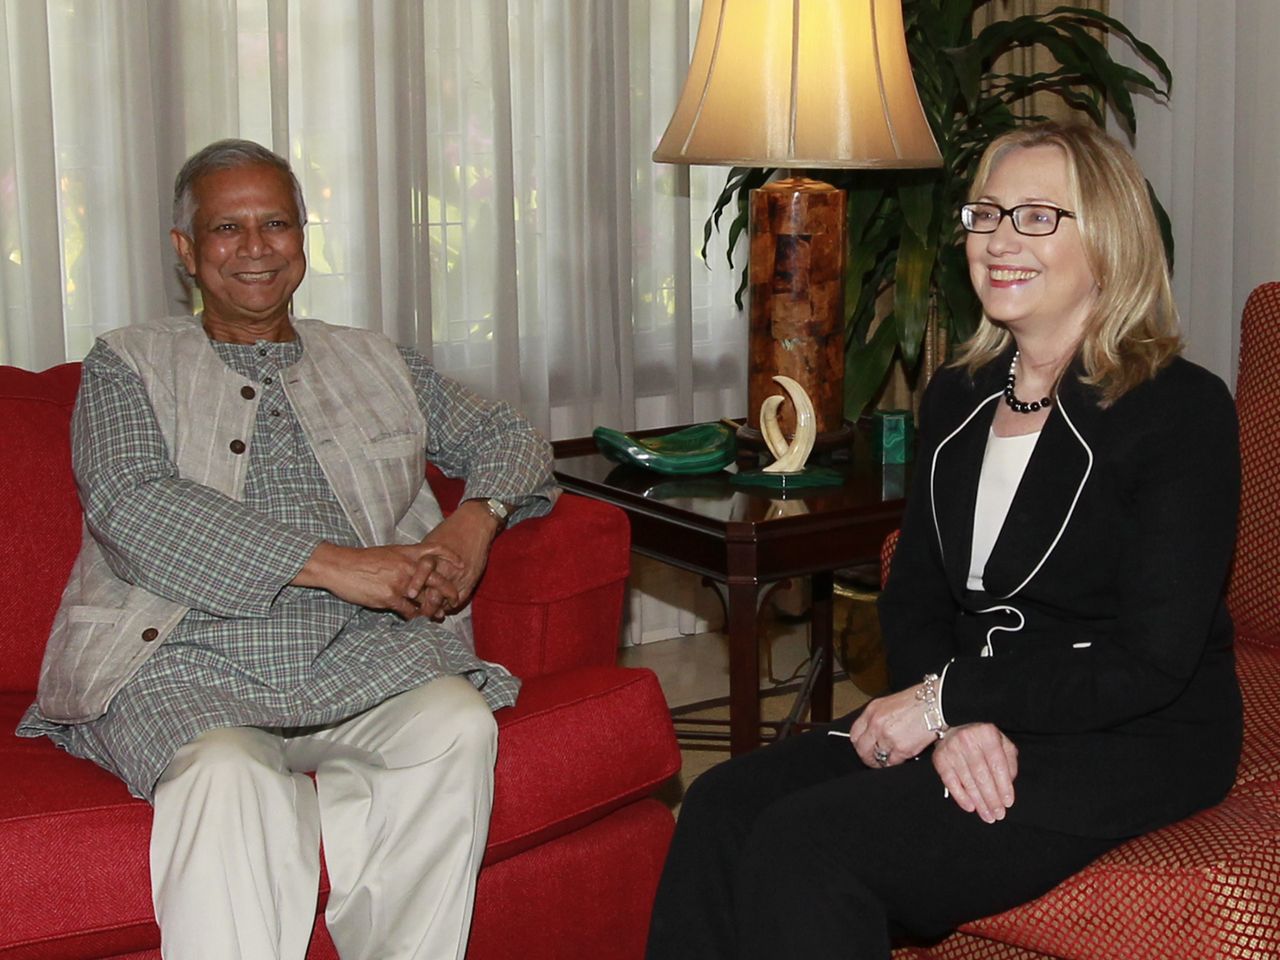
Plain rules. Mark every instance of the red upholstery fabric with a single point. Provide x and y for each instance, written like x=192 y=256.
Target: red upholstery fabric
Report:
x=592 y=731
x=1254 y=593
x=1258 y=668
x=536 y=627
x=887 y=550
x=553 y=621
x=585 y=896
x=76 y=882
x=964 y=947
x=41 y=514
x=1207 y=887
x=575 y=846
x=602 y=738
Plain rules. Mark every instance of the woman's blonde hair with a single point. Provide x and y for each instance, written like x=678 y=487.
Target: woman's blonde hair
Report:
x=1133 y=329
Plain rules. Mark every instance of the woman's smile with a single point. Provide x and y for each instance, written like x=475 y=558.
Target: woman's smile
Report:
x=1010 y=276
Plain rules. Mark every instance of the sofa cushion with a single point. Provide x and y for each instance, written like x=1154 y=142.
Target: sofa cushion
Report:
x=1259 y=670
x=1207 y=887
x=577 y=745
x=958 y=946
x=69 y=833
x=1204 y=888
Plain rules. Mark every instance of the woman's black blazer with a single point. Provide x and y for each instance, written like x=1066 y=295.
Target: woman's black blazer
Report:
x=1100 y=643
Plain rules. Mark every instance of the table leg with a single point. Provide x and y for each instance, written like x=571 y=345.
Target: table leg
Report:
x=820 y=631
x=744 y=667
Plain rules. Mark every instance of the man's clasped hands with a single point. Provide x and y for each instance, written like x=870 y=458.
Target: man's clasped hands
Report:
x=429 y=579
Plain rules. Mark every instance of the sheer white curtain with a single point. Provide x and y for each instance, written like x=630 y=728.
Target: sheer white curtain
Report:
x=477 y=174
x=1211 y=155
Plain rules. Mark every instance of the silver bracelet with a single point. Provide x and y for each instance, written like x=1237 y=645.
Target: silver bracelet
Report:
x=928 y=695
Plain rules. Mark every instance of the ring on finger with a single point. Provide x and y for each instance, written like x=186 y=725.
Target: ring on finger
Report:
x=881 y=755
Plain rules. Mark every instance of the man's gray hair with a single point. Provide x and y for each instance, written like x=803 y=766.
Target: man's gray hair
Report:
x=226 y=155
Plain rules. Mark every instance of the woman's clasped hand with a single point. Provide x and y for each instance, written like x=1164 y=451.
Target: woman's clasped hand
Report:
x=892 y=729
x=976 y=762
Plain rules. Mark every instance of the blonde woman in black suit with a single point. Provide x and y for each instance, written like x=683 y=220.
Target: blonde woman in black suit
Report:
x=1057 y=641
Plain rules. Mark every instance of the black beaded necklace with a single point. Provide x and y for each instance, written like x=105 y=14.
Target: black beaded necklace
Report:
x=1016 y=405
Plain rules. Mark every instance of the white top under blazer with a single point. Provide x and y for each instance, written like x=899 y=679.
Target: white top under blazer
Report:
x=1003 y=464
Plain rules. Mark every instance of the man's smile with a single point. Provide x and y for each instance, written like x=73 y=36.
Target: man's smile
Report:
x=260 y=276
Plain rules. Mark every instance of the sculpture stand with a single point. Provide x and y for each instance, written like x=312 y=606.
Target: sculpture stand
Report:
x=784 y=483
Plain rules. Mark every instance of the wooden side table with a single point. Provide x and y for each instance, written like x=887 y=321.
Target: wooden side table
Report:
x=745 y=540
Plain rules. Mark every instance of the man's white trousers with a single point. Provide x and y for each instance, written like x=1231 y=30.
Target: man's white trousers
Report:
x=401 y=798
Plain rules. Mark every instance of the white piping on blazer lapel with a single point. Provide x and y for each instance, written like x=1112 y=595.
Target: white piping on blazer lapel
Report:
x=1041 y=510
x=1043 y=506
x=960 y=505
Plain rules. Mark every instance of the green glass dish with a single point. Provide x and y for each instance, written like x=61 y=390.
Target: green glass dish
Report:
x=704 y=448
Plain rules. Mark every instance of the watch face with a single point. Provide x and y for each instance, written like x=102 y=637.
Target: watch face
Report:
x=498 y=509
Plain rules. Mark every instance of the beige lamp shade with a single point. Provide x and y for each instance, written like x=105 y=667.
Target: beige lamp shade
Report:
x=800 y=83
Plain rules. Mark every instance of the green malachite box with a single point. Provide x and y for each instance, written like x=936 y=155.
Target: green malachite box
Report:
x=892 y=436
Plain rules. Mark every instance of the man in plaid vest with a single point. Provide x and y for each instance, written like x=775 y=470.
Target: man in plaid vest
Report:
x=267 y=588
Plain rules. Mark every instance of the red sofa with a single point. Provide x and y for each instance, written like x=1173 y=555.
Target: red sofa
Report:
x=1208 y=887
x=576 y=841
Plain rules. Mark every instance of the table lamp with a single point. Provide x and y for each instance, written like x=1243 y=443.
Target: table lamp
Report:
x=803 y=84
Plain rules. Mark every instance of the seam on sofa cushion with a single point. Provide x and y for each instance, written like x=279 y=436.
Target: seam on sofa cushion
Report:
x=86 y=932
x=74 y=811
x=631 y=681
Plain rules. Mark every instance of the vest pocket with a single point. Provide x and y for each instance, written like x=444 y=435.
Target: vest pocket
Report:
x=77 y=677
x=396 y=447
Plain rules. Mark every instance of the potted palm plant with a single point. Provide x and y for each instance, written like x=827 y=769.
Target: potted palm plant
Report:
x=903 y=226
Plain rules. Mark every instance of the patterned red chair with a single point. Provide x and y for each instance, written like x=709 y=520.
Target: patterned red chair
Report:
x=576 y=840
x=1208 y=887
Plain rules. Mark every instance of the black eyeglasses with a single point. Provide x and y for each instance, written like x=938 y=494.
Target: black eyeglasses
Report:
x=1029 y=219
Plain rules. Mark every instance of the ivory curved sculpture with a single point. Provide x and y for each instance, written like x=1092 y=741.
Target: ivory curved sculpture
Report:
x=788 y=457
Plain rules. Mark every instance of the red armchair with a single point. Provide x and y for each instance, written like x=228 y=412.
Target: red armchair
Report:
x=1208 y=887
x=576 y=841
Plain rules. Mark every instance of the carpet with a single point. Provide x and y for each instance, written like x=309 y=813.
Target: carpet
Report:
x=861 y=671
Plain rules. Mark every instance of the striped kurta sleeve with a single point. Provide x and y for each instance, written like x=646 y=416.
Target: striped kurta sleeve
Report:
x=496 y=450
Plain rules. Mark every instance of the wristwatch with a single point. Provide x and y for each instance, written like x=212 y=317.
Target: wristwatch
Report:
x=498 y=510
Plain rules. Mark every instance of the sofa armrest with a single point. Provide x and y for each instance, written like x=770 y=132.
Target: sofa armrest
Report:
x=551 y=596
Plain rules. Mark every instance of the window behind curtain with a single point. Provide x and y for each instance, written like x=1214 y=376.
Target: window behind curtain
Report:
x=477 y=173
